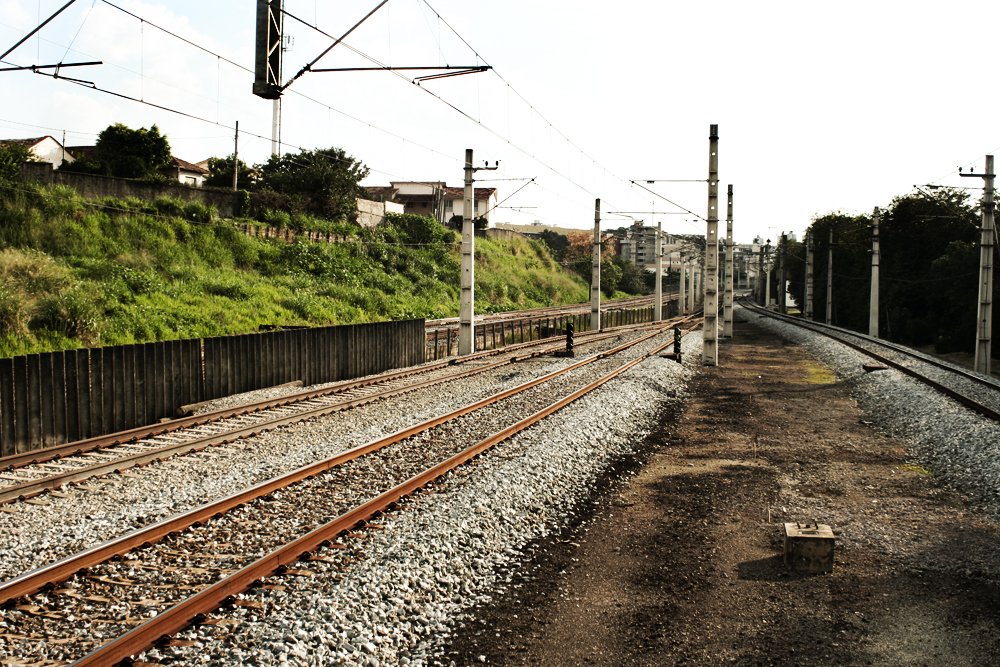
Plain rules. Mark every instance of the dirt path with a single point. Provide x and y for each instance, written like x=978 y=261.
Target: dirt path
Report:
x=681 y=563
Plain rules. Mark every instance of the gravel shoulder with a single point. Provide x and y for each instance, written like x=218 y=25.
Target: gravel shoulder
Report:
x=680 y=562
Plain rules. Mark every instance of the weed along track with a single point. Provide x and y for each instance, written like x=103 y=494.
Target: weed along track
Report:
x=114 y=600
x=30 y=474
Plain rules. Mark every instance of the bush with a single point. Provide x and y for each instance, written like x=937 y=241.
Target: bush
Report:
x=230 y=290
x=12 y=156
x=70 y=313
x=13 y=314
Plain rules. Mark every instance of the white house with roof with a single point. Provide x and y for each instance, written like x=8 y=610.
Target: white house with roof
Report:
x=45 y=149
x=434 y=198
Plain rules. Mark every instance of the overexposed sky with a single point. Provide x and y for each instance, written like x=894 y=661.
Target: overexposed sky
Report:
x=821 y=107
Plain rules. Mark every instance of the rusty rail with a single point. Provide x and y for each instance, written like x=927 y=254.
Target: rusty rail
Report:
x=181 y=615
x=131 y=435
x=37 y=579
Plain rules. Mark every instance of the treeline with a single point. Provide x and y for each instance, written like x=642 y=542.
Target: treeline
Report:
x=928 y=274
x=322 y=183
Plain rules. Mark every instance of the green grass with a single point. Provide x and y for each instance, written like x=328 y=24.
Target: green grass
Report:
x=75 y=273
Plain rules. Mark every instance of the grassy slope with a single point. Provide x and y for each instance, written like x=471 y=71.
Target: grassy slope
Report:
x=74 y=274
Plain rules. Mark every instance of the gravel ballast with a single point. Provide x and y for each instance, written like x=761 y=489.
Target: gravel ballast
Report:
x=55 y=526
x=396 y=598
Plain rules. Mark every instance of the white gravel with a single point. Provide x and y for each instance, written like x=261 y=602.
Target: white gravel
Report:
x=105 y=507
x=445 y=551
x=958 y=446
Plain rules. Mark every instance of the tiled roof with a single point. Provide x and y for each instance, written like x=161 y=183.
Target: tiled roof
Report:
x=81 y=151
x=189 y=166
x=27 y=142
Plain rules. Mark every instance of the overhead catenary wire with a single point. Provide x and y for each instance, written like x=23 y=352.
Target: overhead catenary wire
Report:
x=509 y=196
x=220 y=58
x=468 y=115
x=93 y=86
x=250 y=70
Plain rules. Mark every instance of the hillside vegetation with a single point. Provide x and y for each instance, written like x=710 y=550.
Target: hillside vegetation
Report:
x=82 y=273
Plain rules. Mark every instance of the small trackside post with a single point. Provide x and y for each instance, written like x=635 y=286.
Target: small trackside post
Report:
x=676 y=354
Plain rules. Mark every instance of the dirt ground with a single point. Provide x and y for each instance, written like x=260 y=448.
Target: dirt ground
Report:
x=679 y=561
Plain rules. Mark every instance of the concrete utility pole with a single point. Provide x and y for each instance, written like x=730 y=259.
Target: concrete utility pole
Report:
x=710 y=331
x=873 y=294
x=276 y=126
x=829 y=279
x=727 y=298
x=984 y=316
x=783 y=273
x=466 y=306
x=236 y=158
x=466 y=327
x=595 y=272
x=760 y=275
x=810 y=269
x=682 y=289
x=658 y=292
x=692 y=285
x=767 y=281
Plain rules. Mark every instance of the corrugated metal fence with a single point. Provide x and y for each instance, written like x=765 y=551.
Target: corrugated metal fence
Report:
x=56 y=397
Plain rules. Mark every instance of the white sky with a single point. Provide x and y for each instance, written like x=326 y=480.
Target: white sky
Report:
x=821 y=107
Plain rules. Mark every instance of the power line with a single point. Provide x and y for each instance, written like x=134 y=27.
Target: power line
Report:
x=519 y=95
x=295 y=92
x=673 y=203
x=509 y=196
x=94 y=86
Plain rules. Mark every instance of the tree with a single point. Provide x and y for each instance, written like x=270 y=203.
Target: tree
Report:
x=220 y=173
x=635 y=279
x=126 y=153
x=557 y=243
x=12 y=155
x=324 y=182
x=928 y=270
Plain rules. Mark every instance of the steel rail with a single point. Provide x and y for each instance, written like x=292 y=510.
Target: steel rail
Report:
x=78 y=447
x=961 y=398
x=965 y=373
x=551 y=310
x=30 y=488
x=182 y=614
x=35 y=580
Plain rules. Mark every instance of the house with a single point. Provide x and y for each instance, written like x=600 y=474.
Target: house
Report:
x=187 y=173
x=434 y=198
x=45 y=149
x=180 y=170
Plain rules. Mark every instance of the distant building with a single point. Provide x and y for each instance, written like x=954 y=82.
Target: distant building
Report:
x=434 y=198
x=187 y=173
x=638 y=246
x=45 y=149
x=182 y=171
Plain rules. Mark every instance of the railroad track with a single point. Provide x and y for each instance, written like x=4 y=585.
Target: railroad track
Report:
x=27 y=475
x=114 y=600
x=553 y=311
x=976 y=392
